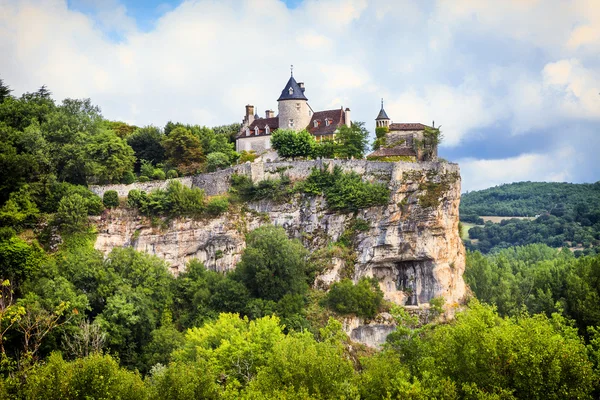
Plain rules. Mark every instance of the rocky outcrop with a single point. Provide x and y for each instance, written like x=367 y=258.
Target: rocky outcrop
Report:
x=412 y=244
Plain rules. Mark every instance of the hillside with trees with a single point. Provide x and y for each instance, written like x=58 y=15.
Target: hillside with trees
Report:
x=76 y=324
x=563 y=215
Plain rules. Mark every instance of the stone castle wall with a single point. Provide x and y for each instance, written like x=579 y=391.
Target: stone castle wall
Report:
x=217 y=183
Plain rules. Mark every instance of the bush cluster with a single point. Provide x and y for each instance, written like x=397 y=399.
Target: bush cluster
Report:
x=363 y=299
x=244 y=189
x=177 y=200
x=344 y=191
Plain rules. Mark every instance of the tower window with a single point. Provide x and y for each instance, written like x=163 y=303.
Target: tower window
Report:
x=298 y=106
x=291 y=91
x=291 y=123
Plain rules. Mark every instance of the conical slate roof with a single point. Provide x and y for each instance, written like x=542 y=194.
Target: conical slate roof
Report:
x=382 y=115
x=296 y=92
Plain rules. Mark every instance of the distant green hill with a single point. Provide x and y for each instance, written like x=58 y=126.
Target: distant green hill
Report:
x=528 y=199
x=568 y=215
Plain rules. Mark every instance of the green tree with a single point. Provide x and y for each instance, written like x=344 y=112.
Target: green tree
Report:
x=72 y=214
x=530 y=357
x=292 y=144
x=324 y=149
x=183 y=149
x=300 y=365
x=351 y=141
x=4 y=91
x=183 y=381
x=363 y=299
x=234 y=347
x=380 y=137
x=216 y=161
x=146 y=143
x=273 y=265
x=110 y=157
x=97 y=376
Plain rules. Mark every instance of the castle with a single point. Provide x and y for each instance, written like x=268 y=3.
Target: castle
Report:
x=294 y=113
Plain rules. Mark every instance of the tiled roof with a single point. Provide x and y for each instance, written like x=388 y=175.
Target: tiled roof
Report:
x=382 y=114
x=393 y=151
x=407 y=127
x=297 y=92
x=337 y=118
x=261 y=123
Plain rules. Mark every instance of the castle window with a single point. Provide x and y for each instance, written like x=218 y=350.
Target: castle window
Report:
x=291 y=123
x=298 y=106
x=267 y=130
x=256 y=130
x=291 y=91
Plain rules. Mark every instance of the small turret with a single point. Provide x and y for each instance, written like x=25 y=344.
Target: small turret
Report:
x=382 y=119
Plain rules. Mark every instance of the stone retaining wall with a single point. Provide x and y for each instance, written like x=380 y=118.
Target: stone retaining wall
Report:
x=216 y=183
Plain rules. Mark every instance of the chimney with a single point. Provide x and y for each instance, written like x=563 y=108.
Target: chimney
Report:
x=249 y=114
x=347 y=117
x=270 y=114
x=301 y=84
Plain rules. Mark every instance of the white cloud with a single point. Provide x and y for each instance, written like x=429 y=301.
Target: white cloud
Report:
x=204 y=60
x=557 y=166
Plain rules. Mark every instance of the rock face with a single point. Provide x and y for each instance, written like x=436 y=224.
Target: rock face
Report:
x=412 y=245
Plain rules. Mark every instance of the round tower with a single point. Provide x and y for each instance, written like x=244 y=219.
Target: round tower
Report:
x=294 y=112
x=382 y=120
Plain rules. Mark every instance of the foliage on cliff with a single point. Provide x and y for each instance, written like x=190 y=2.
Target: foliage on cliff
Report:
x=344 y=191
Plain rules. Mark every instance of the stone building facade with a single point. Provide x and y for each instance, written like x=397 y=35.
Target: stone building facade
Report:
x=294 y=113
x=400 y=140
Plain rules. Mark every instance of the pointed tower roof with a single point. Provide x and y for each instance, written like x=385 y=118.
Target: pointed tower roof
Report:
x=292 y=91
x=382 y=114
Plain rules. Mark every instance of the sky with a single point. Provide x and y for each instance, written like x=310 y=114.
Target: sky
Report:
x=514 y=84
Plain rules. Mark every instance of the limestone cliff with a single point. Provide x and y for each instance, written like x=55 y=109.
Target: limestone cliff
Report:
x=412 y=245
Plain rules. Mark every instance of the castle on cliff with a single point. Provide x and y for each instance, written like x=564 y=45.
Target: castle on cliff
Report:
x=294 y=112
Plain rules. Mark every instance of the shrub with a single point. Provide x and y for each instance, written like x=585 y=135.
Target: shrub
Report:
x=183 y=200
x=216 y=161
x=128 y=178
x=110 y=199
x=147 y=169
x=345 y=191
x=247 y=156
x=172 y=174
x=72 y=213
x=324 y=149
x=135 y=198
x=143 y=178
x=217 y=205
x=273 y=189
x=363 y=299
x=159 y=174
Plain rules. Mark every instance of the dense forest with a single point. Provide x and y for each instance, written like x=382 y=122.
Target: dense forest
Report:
x=75 y=324
x=564 y=215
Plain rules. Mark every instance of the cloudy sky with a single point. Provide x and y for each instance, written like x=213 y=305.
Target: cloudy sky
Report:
x=515 y=84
